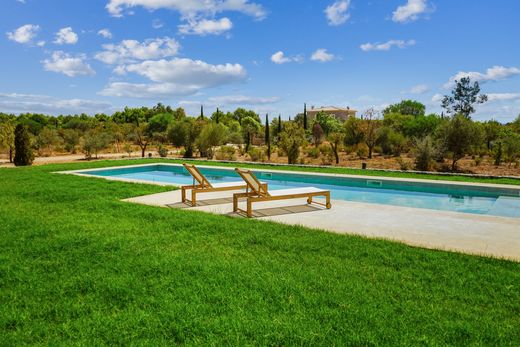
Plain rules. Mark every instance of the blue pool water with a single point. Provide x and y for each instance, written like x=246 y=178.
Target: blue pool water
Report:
x=434 y=196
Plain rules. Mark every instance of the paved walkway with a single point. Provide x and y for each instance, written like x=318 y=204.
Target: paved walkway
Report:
x=462 y=232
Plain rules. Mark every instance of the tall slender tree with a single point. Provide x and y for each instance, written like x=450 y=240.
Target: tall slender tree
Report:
x=216 y=117
x=201 y=111
x=305 y=116
x=267 y=137
x=279 y=124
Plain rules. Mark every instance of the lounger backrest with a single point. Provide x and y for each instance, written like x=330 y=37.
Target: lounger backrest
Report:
x=197 y=175
x=252 y=182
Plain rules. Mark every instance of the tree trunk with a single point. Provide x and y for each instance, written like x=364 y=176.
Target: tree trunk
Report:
x=336 y=154
x=10 y=154
x=370 y=152
x=143 y=149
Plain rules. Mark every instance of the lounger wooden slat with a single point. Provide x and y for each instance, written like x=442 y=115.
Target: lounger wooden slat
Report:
x=202 y=185
x=260 y=193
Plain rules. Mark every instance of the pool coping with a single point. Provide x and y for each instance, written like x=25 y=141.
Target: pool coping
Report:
x=510 y=189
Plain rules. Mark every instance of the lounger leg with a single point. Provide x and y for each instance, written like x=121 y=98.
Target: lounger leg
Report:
x=249 y=208
x=183 y=194
x=235 y=202
x=327 y=197
x=309 y=200
x=193 y=197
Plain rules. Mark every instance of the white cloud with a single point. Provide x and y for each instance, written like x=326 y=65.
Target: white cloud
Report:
x=206 y=26
x=24 y=34
x=322 y=55
x=337 y=13
x=190 y=8
x=66 y=37
x=20 y=103
x=68 y=65
x=131 y=50
x=411 y=11
x=494 y=73
x=386 y=46
x=175 y=77
x=106 y=33
x=418 y=89
x=147 y=90
x=21 y=1
x=242 y=100
x=280 y=58
x=503 y=96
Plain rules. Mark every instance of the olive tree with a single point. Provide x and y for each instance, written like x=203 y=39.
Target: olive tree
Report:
x=291 y=139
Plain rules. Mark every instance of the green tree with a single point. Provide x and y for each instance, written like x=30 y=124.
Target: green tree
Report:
x=212 y=135
x=160 y=123
x=250 y=127
x=47 y=139
x=305 y=116
x=141 y=136
x=184 y=133
x=424 y=153
x=94 y=141
x=22 y=145
x=326 y=121
x=459 y=135
x=406 y=107
x=353 y=131
x=241 y=113
x=317 y=134
x=335 y=137
x=267 y=137
x=464 y=97
x=71 y=139
x=369 y=126
x=492 y=130
x=7 y=137
x=291 y=139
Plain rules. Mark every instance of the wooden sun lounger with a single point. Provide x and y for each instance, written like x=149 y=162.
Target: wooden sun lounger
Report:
x=202 y=185
x=257 y=192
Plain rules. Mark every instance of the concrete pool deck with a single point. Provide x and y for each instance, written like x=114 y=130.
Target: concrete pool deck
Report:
x=461 y=232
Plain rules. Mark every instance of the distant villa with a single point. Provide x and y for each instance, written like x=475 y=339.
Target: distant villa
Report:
x=341 y=113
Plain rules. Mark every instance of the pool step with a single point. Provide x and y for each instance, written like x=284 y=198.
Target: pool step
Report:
x=374 y=184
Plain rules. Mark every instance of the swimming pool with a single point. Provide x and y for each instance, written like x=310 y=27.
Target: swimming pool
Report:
x=464 y=198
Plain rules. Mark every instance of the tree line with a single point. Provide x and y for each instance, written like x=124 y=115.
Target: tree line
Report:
x=437 y=142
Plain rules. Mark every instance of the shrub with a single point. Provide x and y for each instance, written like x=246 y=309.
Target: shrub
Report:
x=225 y=153
x=362 y=150
x=313 y=152
x=327 y=154
x=424 y=154
x=257 y=154
x=22 y=145
x=403 y=165
x=291 y=138
x=163 y=151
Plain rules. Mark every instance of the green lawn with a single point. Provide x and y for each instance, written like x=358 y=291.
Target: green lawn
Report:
x=78 y=266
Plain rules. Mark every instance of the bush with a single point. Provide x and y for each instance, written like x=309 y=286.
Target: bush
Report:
x=424 y=154
x=313 y=152
x=225 y=153
x=362 y=150
x=257 y=154
x=22 y=144
x=163 y=151
x=327 y=154
x=403 y=165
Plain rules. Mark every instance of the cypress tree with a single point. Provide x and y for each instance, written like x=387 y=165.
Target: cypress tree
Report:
x=279 y=125
x=267 y=137
x=201 y=112
x=305 y=116
x=216 y=117
x=22 y=144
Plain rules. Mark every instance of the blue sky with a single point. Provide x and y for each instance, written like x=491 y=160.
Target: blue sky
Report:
x=65 y=56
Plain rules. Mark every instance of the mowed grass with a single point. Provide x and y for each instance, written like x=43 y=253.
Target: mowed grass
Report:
x=78 y=266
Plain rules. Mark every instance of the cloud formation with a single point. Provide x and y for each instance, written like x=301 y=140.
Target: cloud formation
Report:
x=24 y=34
x=128 y=51
x=175 y=77
x=280 y=58
x=205 y=27
x=20 y=103
x=66 y=36
x=192 y=8
x=386 y=46
x=68 y=65
x=495 y=73
x=337 y=13
x=411 y=11
x=105 y=33
x=322 y=55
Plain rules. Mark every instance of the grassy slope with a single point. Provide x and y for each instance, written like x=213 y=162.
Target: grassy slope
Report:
x=79 y=266
x=349 y=171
